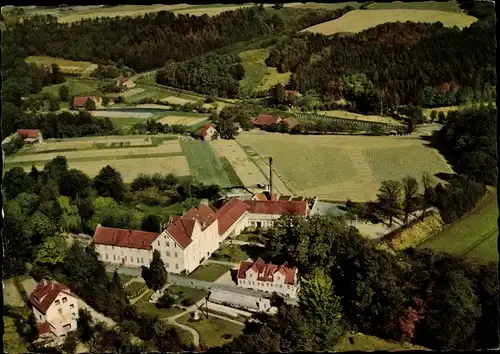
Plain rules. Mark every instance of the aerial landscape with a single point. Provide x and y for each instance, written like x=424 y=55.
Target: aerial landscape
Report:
x=255 y=177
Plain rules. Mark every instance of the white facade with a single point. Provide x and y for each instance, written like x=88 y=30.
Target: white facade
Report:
x=277 y=285
x=235 y=229
x=178 y=259
x=210 y=134
x=262 y=220
x=125 y=256
x=62 y=314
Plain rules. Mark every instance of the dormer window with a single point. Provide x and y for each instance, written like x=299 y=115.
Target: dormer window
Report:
x=64 y=299
x=58 y=302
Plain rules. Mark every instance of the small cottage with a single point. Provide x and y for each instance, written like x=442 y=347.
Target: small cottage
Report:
x=30 y=136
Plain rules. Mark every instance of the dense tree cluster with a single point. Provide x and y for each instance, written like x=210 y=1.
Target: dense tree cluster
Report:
x=216 y=75
x=401 y=60
x=419 y=296
x=468 y=141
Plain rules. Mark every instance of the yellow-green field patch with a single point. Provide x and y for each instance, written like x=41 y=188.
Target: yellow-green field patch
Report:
x=67 y=66
x=11 y=294
x=450 y=6
x=176 y=100
x=363 y=342
x=75 y=87
x=184 y=120
x=323 y=5
x=258 y=76
x=358 y=20
x=358 y=116
x=128 y=93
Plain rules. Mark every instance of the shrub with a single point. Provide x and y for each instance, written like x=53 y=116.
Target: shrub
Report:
x=188 y=302
x=165 y=302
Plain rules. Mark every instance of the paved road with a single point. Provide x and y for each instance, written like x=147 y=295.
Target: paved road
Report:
x=243 y=243
x=199 y=284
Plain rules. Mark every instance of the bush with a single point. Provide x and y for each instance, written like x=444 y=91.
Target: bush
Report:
x=165 y=302
x=188 y=302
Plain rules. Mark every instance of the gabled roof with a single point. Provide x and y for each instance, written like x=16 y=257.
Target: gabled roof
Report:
x=124 y=238
x=205 y=128
x=278 y=207
x=265 y=119
x=80 y=101
x=45 y=293
x=181 y=228
x=122 y=79
x=229 y=213
x=28 y=133
x=266 y=271
x=266 y=196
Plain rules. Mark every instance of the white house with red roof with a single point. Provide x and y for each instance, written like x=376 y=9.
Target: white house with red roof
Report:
x=30 y=136
x=55 y=308
x=188 y=240
x=208 y=132
x=129 y=248
x=125 y=81
x=268 y=277
x=80 y=101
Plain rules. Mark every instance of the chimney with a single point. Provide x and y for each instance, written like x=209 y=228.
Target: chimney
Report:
x=271 y=176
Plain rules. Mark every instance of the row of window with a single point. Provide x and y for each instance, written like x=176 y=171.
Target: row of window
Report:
x=263 y=284
x=167 y=265
x=139 y=260
x=167 y=244
x=167 y=253
x=64 y=300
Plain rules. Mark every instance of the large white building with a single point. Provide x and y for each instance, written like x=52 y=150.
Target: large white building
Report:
x=269 y=278
x=188 y=240
x=55 y=308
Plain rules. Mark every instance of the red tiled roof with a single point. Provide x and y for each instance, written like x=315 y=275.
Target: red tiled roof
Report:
x=124 y=238
x=80 y=101
x=43 y=328
x=291 y=122
x=45 y=293
x=279 y=207
x=204 y=130
x=123 y=79
x=265 y=119
x=28 y=133
x=262 y=196
x=181 y=231
x=181 y=228
x=266 y=271
x=229 y=213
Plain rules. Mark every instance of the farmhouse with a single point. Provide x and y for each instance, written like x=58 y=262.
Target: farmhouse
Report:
x=208 y=132
x=30 y=136
x=125 y=81
x=80 y=101
x=55 y=308
x=267 y=277
x=265 y=120
x=188 y=240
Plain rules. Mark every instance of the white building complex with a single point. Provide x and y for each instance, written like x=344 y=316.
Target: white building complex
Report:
x=55 y=309
x=268 y=277
x=188 y=240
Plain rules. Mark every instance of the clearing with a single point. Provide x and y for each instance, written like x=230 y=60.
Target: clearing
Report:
x=323 y=5
x=475 y=235
x=204 y=165
x=244 y=168
x=67 y=66
x=176 y=100
x=187 y=119
x=449 y=6
x=258 y=76
x=358 y=116
x=363 y=342
x=212 y=329
x=342 y=167
x=358 y=20
x=76 y=88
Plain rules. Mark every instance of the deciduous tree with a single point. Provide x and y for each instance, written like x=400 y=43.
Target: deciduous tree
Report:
x=109 y=183
x=157 y=270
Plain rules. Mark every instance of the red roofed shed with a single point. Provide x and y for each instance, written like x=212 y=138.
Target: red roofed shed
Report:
x=264 y=120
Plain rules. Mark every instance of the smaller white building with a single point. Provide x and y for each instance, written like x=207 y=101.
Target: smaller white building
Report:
x=125 y=81
x=268 y=277
x=246 y=302
x=55 y=308
x=208 y=132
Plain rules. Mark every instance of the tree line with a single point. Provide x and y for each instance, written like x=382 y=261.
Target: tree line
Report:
x=403 y=63
x=56 y=199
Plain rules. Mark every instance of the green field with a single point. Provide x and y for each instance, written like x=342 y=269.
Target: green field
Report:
x=449 y=6
x=75 y=87
x=363 y=342
x=475 y=235
x=258 y=76
x=67 y=66
x=341 y=167
x=212 y=329
x=210 y=272
x=204 y=165
x=359 y=20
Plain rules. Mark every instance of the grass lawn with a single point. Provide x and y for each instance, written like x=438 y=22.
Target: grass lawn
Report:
x=67 y=66
x=75 y=87
x=475 y=235
x=204 y=165
x=184 y=292
x=123 y=277
x=230 y=253
x=133 y=287
x=13 y=342
x=143 y=305
x=251 y=238
x=363 y=342
x=258 y=76
x=212 y=329
x=210 y=272
x=231 y=173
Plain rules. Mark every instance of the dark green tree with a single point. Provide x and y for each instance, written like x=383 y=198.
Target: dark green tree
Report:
x=410 y=196
x=64 y=93
x=389 y=199
x=157 y=270
x=109 y=183
x=16 y=181
x=84 y=323
x=151 y=223
x=75 y=183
